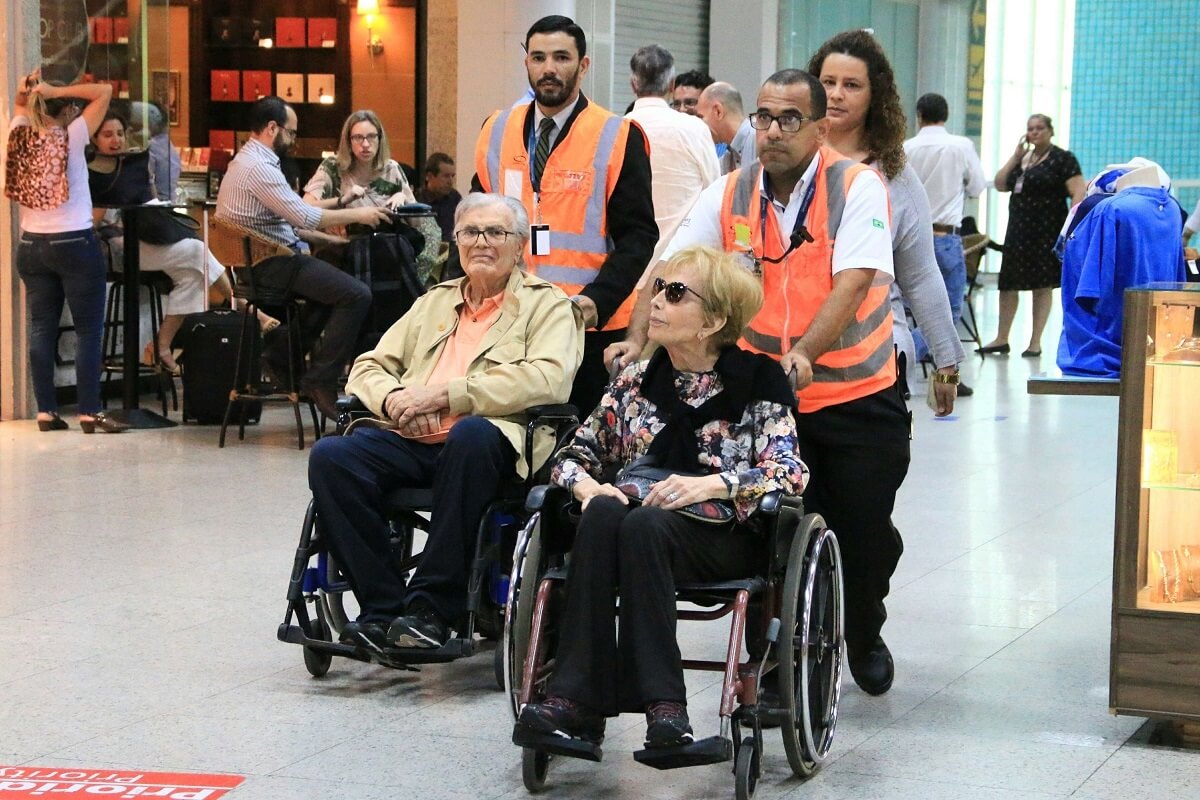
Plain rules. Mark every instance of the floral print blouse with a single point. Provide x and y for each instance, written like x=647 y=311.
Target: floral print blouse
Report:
x=761 y=448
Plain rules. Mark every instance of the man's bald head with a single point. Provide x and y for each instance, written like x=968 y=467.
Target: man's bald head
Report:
x=720 y=106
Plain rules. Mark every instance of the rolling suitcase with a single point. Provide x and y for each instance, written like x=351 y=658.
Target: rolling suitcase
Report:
x=210 y=340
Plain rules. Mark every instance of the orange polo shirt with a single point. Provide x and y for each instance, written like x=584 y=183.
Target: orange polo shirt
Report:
x=462 y=346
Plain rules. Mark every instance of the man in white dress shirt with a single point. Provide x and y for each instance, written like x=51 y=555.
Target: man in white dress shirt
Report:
x=682 y=159
x=949 y=168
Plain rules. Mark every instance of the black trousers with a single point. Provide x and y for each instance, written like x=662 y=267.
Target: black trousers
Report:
x=349 y=475
x=858 y=453
x=592 y=377
x=640 y=553
x=340 y=304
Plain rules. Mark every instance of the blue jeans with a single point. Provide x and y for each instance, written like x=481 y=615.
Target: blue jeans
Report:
x=948 y=251
x=56 y=267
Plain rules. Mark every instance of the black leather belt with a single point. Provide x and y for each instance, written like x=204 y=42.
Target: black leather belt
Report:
x=945 y=230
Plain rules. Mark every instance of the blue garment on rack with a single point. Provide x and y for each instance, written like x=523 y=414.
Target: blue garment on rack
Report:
x=1128 y=239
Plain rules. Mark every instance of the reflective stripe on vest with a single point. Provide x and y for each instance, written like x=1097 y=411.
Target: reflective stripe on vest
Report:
x=750 y=180
x=581 y=170
x=861 y=360
x=592 y=239
x=855 y=333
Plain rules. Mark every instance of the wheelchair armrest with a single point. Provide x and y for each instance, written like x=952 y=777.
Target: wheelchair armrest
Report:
x=543 y=495
x=349 y=408
x=553 y=411
x=769 y=505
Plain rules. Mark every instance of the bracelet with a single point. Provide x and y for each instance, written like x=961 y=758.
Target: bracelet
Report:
x=941 y=377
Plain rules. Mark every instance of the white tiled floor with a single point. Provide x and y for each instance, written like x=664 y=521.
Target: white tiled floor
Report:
x=144 y=576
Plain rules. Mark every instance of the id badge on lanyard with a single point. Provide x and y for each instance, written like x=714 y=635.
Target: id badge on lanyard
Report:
x=539 y=232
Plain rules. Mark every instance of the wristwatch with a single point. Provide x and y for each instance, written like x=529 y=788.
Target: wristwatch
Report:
x=941 y=377
x=731 y=483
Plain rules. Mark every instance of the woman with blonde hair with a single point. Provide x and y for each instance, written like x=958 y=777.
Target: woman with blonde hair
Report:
x=58 y=255
x=363 y=172
x=722 y=421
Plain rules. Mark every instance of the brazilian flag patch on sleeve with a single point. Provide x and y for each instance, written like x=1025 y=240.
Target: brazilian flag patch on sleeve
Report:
x=878 y=223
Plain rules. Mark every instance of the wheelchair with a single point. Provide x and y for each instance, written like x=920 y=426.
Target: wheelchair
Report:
x=791 y=617
x=316 y=611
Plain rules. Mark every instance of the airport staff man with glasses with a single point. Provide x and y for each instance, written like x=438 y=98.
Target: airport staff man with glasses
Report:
x=816 y=227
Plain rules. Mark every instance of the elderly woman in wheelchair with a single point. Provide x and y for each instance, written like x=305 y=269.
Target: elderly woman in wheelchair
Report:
x=695 y=437
x=449 y=384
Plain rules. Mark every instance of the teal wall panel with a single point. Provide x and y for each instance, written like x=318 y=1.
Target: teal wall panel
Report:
x=1134 y=86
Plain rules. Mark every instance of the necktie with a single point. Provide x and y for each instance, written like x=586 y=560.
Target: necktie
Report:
x=542 y=151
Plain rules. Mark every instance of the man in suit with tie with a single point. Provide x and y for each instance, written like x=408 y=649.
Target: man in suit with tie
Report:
x=583 y=175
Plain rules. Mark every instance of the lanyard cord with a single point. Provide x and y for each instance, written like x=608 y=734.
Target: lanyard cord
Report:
x=800 y=233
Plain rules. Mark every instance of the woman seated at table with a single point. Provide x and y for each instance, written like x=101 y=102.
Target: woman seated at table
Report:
x=723 y=420
x=363 y=172
x=189 y=264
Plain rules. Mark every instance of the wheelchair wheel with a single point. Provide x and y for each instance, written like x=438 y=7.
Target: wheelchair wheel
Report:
x=518 y=611
x=745 y=770
x=534 y=766
x=332 y=610
x=315 y=662
x=810 y=645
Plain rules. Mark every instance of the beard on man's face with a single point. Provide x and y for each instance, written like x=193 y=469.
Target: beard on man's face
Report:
x=553 y=92
x=281 y=145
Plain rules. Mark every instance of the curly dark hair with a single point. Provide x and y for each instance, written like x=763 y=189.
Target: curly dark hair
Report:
x=885 y=124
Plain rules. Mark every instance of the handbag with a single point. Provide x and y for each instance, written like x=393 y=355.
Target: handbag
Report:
x=165 y=226
x=36 y=167
x=637 y=478
x=127 y=183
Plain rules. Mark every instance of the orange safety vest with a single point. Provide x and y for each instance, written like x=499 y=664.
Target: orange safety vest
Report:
x=862 y=360
x=577 y=181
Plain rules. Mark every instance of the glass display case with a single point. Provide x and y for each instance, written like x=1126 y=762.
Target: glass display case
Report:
x=1155 y=668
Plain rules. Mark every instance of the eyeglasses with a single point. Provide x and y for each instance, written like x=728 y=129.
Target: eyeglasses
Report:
x=689 y=102
x=364 y=138
x=491 y=236
x=675 y=290
x=292 y=132
x=788 y=123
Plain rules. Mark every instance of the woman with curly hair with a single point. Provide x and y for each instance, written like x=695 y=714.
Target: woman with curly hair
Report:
x=866 y=123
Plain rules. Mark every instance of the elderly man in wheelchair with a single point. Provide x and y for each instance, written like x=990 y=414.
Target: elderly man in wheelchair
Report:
x=668 y=469
x=449 y=385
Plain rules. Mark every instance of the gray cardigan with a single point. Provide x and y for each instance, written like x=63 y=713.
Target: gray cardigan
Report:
x=917 y=272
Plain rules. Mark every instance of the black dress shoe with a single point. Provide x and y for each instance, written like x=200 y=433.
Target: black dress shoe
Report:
x=55 y=423
x=369 y=636
x=997 y=349
x=1031 y=354
x=874 y=669
x=964 y=390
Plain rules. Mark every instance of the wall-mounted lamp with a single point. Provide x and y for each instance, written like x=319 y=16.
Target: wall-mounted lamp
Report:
x=368 y=9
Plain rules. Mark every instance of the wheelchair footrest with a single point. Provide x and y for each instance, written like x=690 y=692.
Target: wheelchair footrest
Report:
x=713 y=750
x=558 y=745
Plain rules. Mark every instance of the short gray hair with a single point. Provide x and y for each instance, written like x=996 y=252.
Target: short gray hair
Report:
x=653 y=69
x=520 y=216
x=725 y=94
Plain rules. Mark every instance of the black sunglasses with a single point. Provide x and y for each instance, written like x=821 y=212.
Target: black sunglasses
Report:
x=675 y=290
